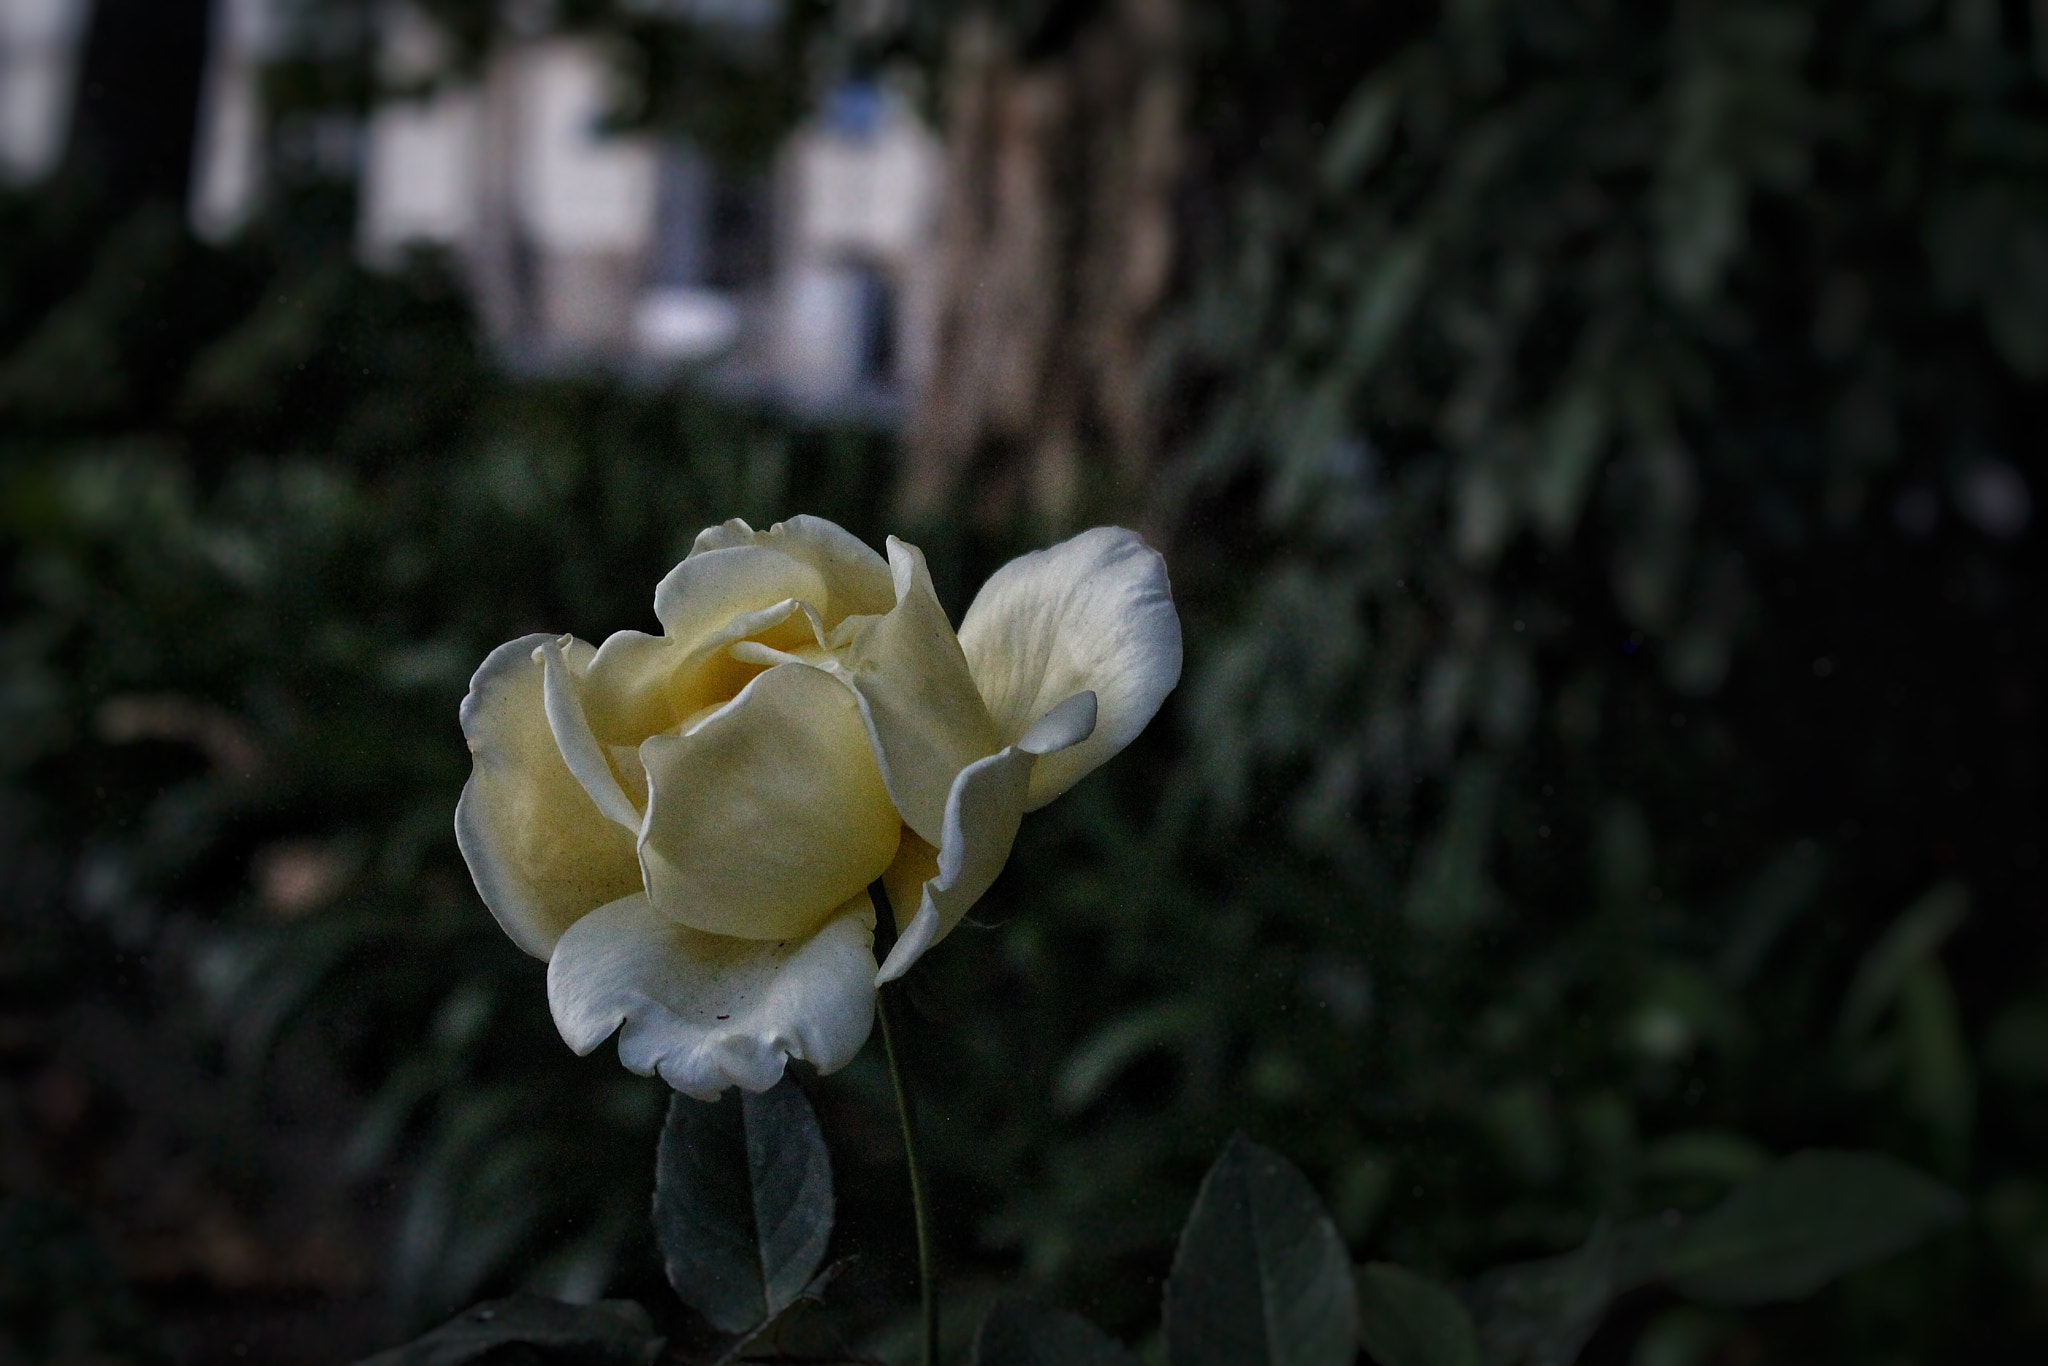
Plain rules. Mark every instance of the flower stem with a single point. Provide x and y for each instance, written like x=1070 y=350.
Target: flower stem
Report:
x=889 y=1007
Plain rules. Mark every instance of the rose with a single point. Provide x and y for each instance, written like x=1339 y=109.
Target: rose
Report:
x=685 y=826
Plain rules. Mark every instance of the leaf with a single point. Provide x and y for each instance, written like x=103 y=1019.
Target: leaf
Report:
x=1409 y=1320
x=1360 y=133
x=1704 y=1154
x=1261 y=1277
x=1573 y=435
x=1102 y=1057
x=1772 y=900
x=608 y=1333
x=1450 y=892
x=1801 y=1222
x=1940 y=1087
x=1018 y=1333
x=1542 y=1313
x=2016 y=1046
x=1914 y=936
x=813 y=1293
x=742 y=1202
x=1385 y=302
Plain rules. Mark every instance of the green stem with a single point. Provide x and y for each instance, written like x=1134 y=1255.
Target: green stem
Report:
x=889 y=1006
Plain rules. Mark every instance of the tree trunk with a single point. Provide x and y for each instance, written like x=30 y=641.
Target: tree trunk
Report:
x=1056 y=240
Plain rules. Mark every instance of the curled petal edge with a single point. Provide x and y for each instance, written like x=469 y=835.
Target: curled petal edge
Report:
x=574 y=738
x=1093 y=612
x=983 y=812
x=706 y=1012
x=924 y=715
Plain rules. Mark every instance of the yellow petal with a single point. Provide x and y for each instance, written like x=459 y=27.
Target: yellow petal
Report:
x=640 y=685
x=915 y=864
x=707 y=591
x=626 y=693
x=768 y=814
x=1092 y=614
x=542 y=854
x=922 y=709
x=573 y=738
x=856 y=579
x=708 y=1012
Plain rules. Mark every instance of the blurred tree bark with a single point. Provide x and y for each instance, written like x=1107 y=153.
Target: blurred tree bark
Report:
x=138 y=98
x=1056 y=243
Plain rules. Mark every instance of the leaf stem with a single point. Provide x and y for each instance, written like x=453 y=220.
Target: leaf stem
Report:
x=889 y=1006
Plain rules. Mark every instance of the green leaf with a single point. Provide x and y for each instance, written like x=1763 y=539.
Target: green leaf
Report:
x=2016 y=1046
x=1102 y=1057
x=1573 y=435
x=1770 y=902
x=1017 y=1333
x=1704 y=1154
x=1940 y=1085
x=1801 y=1222
x=1542 y=1313
x=608 y=1333
x=1360 y=133
x=1386 y=301
x=742 y=1203
x=1261 y=1277
x=1912 y=938
x=1409 y=1320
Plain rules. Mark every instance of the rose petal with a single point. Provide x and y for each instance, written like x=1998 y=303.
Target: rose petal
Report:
x=982 y=816
x=541 y=852
x=626 y=693
x=857 y=578
x=578 y=747
x=915 y=864
x=1065 y=726
x=706 y=1011
x=983 y=811
x=1092 y=614
x=769 y=813
x=922 y=710
x=706 y=591
x=640 y=685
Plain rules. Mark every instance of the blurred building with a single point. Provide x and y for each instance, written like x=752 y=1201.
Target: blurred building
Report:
x=39 y=51
x=585 y=248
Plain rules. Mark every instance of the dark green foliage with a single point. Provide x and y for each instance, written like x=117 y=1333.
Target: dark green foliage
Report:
x=1543 y=1312
x=62 y=1298
x=1409 y=1320
x=1800 y=1223
x=528 y=1328
x=1607 y=686
x=1016 y=1333
x=1594 y=649
x=1261 y=1275
x=742 y=1203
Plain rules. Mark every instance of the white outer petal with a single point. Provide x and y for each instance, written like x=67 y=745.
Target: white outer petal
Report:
x=983 y=811
x=1094 y=613
x=665 y=987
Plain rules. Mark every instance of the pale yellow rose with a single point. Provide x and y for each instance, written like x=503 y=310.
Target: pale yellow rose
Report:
x=685 y=825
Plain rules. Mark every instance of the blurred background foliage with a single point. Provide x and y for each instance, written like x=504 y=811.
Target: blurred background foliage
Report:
x=1596 y=456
